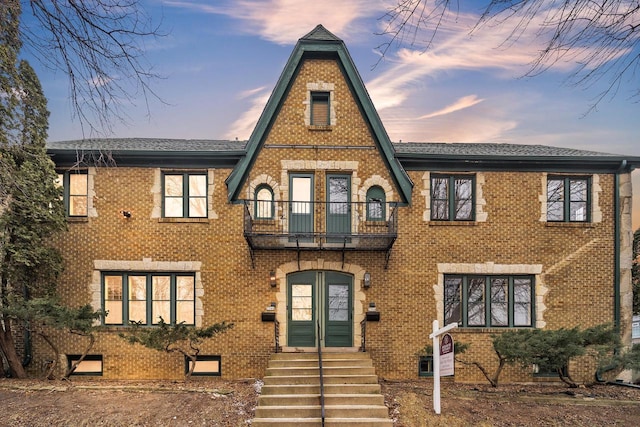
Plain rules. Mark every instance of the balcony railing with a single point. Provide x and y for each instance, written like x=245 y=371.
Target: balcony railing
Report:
x=362 y=226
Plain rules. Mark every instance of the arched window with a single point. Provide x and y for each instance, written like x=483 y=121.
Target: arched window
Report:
x=376 y=204
x=263 y=202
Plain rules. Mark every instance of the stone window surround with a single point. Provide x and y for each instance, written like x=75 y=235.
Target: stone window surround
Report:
x=359 y=295
x=377 y=180
x=490 y=268
x=147 y=265
x=320 y=86
x=596 y=189
x=156 y=191
x=264 y=179
x=91 y=194
x=480 y=202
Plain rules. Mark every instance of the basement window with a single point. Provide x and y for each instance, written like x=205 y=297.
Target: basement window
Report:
x=425 y=366
x=206 y=366
x=90 y=365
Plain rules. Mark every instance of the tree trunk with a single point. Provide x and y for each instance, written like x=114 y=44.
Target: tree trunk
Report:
x=8 y=348
x=76 y=363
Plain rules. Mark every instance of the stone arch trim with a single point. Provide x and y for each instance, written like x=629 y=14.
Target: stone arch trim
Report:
x=359 y=296
x=376 y=180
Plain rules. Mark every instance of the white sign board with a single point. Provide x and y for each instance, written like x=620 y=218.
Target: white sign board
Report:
x=446 y=356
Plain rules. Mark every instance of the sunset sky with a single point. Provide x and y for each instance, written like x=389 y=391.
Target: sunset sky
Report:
x=221 y=59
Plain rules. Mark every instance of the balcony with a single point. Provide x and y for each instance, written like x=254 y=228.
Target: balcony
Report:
x=333 y=226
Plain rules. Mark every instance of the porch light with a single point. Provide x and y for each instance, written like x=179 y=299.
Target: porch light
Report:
x=272 y=279
x=367 y=280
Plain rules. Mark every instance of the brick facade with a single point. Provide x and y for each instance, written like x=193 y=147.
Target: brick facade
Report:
x=573 y=263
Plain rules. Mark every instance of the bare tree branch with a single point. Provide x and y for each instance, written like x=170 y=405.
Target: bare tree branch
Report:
x=100 y=46
x=601 y=39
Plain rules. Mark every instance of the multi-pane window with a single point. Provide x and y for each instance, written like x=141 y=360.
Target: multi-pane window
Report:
x=76 y=192
x=264 y=202
x=375 y=204
x=489 y=301
x=568 y=199
x=452 y=198
x=147 y=297
x=320 y=109
x=185 y=195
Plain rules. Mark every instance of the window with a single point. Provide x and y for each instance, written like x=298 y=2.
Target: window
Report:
x=425 y=366
x=206 y=366
x=264 y=202
x=76 y=192
x=549 y=373
x=185 y=195
x=320 y=109
x=489 y=301
x=568 y=199
x=145 y=297
x=90 y=365
x=452 y=198
x=376 y=204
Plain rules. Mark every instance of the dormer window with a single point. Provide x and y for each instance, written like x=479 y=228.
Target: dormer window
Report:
x=320 y=109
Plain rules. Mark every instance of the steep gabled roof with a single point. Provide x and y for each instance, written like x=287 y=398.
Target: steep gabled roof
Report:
x=319 y=42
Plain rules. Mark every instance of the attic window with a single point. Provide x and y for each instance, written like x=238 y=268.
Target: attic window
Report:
x=320 y=109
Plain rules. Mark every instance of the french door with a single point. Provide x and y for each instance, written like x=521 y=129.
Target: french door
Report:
x=324 y=297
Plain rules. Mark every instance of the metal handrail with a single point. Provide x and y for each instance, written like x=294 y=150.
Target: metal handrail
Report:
x=363 y=335
x=276 y=332
x=322 y=412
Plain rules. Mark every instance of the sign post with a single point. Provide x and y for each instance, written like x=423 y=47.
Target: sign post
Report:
x=435 y=336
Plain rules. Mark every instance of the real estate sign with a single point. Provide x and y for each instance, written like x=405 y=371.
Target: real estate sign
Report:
x=446 y=356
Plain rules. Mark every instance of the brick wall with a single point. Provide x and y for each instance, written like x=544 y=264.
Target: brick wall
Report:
x=574 y=262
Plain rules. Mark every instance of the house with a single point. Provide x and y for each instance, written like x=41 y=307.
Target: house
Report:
x=319 y=226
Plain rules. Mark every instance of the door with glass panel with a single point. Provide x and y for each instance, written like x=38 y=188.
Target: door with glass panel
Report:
x=322 y=299
x=338 y=310
x=301 y=316
x=301 y=206
x=338 y=207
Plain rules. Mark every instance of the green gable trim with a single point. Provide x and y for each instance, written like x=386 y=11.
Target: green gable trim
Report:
x=319 y=43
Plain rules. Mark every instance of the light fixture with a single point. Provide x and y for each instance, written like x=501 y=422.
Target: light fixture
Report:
x=125 y=213
x=272 y=279
x=367 y=280
x=372 y=306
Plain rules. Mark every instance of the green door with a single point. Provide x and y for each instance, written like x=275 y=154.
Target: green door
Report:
x=338 y=305
x=324 y=298
x=302 y=305
x=338 y=207
x=301 y=207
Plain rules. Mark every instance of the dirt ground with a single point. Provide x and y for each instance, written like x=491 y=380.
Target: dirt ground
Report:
x=215 y=402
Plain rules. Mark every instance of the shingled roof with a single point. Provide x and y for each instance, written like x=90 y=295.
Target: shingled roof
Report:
x=148 y=144
x=488 y=149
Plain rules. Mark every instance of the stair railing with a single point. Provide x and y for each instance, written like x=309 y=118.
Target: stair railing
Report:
x=276 y=334
x=322 y=413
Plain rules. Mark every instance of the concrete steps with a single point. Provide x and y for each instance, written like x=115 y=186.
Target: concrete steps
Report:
x=291 y=392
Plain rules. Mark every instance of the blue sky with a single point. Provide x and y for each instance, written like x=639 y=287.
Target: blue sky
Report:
x=221 y=59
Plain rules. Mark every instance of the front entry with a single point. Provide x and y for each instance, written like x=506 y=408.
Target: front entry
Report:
x=324 y=298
